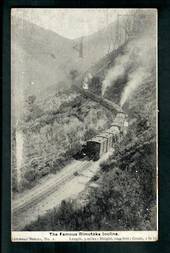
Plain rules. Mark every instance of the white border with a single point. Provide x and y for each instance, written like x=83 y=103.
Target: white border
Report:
x=97 y=236
x=85 y=236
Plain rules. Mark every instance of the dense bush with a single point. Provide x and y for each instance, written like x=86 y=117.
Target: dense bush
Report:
x=114 y=92
x=52 y=139
x=90 y=133
x=96 y=85
x=126 y=196
x=124 y=200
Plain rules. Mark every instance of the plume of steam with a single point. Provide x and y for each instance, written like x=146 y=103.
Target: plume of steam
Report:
x=136 y=63
x=120 y=67
x=144 y=61
x=135 y=79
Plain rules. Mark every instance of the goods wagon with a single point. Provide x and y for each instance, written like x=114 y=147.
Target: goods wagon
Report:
x=103 y=142
x=96 y=147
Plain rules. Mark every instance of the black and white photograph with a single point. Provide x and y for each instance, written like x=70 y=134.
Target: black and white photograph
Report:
x=84 y=124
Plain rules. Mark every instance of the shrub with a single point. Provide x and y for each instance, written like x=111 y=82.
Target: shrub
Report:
x=90 y=133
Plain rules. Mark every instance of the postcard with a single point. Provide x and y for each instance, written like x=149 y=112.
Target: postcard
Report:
x=84 y=131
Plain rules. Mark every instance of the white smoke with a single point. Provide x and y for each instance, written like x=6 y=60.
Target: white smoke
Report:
x=135 y=79
x=136 y=63
x=120 y=67
x=144 y=61
x=86 y=80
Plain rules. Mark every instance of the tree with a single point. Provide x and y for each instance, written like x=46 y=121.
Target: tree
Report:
x=89 y=134
x=31 y=99
x=96 y=85
x=32 y=110
x=73 y=74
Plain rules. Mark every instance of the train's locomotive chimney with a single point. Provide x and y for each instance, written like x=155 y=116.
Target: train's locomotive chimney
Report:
x=86 y=80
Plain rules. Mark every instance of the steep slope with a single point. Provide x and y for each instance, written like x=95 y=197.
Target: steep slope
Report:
x=97 y=45
x=125 y=197
x=40 y=58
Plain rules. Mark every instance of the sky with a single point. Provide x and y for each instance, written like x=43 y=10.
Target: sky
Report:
x=70 y=23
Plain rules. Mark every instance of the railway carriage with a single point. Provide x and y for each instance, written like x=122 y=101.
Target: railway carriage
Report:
x=114 y=131
x=109 y=137
x=96 y=147
x=103 y=142
x=119 y=122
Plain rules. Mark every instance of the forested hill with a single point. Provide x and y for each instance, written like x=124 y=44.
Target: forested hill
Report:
x=125 y=196
x=42 y=59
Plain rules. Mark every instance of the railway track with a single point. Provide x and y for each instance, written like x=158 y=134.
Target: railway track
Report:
x=34 y=198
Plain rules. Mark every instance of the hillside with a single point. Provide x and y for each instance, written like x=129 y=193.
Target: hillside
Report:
x=125 y=194
x=41 y=65
x=42 y=59
x=50 y=133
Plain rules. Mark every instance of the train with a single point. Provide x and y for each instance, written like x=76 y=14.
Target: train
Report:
x=114 y=108
x=103 y=142
x=94 y=148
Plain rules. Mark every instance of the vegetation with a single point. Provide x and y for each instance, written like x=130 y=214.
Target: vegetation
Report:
x=124 y=199
x=53 y=132
x=96 y=85
x=115 y=90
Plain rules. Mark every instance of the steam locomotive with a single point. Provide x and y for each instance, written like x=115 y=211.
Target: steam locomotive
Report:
x=103 y=142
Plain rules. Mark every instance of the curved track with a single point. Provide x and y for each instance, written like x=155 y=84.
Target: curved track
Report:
x=42 y=192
